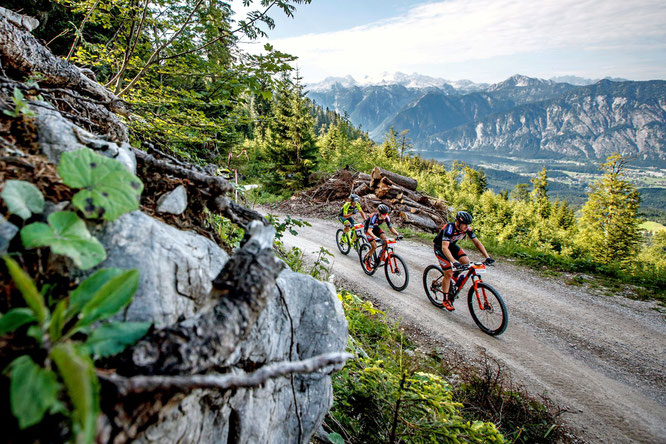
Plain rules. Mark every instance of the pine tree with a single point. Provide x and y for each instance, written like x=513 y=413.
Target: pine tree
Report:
x=291 y=146
x=520 y=192
x=390 y=145
x=609 y=223
x=539 y=195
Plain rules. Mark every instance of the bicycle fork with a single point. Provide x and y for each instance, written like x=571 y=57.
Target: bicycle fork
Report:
x=485 y=305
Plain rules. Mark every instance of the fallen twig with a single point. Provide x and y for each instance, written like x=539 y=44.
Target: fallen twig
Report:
x=140 y=384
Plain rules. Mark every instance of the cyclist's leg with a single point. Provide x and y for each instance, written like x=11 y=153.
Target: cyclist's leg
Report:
x=446 y=268
x=373 y=244
x=383 y=237
x=460 y=255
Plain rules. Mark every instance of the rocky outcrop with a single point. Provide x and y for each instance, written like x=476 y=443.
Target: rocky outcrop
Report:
x=212 y=313
x=302 y=319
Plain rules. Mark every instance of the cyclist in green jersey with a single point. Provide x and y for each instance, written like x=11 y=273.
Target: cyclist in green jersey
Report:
x=351 y=207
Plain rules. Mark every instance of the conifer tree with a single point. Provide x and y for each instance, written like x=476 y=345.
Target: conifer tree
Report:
x=539 y=195
x=520 y=192
x=390 y=146
x=609 y=223
x=291 y=145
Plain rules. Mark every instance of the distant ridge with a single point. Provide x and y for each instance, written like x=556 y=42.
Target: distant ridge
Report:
x=521 y=115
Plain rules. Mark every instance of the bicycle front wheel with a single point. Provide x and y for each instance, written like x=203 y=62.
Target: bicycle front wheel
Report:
x=487 y=309
x=342 y=241
x=397 y=273
x=432 y=284
x=370 y=268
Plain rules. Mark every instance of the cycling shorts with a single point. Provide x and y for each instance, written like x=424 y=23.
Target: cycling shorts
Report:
x=456 y=252
x=374 y=230
x=344 y=220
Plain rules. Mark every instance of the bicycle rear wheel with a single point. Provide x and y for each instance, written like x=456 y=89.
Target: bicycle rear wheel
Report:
x=487 y=309
x=342 y=241
x=397 y=273
x=433 y=276
x=365 y=249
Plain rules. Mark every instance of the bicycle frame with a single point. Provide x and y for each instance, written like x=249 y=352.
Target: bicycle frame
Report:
x=474 y=269
x=387 y=253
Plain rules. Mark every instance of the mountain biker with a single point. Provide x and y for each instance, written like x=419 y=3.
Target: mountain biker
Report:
x=450 y=255
x=372 y=229
x=351 y=207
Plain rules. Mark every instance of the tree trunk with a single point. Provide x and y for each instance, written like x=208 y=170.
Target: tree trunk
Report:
x=422 y=222
x=404 y=181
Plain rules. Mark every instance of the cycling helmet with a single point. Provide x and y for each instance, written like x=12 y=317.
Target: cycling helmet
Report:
x=354 y=198
x=383 y=209
x=464 y=217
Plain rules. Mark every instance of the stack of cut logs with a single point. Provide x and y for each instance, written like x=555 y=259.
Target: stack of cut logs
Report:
x=399 y=193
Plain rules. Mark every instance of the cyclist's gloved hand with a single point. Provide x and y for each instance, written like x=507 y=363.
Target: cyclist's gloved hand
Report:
x=399 y=237
x=457 y=265
x=489 y=261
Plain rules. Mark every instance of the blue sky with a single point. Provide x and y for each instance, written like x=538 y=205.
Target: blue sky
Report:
x=479 y=40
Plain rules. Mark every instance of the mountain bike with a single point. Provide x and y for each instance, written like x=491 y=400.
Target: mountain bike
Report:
x=484 y=302
x=354 y=238
x=395 y=267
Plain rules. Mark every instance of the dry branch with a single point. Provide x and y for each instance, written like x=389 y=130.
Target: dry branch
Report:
x=139 y=384
x=21 y=51
x=241 y=290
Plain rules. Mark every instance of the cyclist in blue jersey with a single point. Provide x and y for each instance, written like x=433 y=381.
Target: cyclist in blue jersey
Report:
x=372 y=229
x=450 y=255
x=351 y=207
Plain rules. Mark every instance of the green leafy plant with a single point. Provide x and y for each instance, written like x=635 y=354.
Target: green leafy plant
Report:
x=65 y=234
x=22 y=198
x=108 y=188
x=321 y=268
x=70 y=336
x=21 y=107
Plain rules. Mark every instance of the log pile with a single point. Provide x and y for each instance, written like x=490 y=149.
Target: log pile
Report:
x=407 y=205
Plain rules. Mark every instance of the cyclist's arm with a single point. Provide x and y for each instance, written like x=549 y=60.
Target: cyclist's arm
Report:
x=479 y=246
x=362 y=212
x=346 y=211
x=447 y=252
x=393 y=231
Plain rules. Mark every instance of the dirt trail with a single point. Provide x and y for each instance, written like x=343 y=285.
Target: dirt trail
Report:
x=601 y=357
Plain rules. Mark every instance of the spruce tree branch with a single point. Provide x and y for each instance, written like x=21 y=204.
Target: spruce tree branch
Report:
x=141 y=384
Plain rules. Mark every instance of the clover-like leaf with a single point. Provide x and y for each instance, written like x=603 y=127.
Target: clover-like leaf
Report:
x=112 y=338
x=109 y=189
x=32 y=391
x=68 y=235
x=22 y=198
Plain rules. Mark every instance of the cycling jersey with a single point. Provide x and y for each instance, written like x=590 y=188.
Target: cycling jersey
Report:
x=451 y=234
x=375 y=221
x=347 y=208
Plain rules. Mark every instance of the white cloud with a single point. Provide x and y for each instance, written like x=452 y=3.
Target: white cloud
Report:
x=434 y=36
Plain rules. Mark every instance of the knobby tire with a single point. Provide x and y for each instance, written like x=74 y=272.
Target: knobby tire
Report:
x=400 y=269
x=493 y=318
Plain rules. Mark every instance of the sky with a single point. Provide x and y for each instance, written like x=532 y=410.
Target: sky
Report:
x=480 y=40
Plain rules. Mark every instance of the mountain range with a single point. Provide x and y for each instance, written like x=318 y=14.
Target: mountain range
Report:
x=578 y=119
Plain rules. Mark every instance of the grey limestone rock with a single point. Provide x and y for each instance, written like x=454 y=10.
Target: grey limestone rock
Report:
x=174 y=202
x=7 y=232
x=176 y=267
x=267 y=414
x=57 y=135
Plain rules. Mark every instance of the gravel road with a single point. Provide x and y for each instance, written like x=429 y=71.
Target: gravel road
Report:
x=601 y=357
